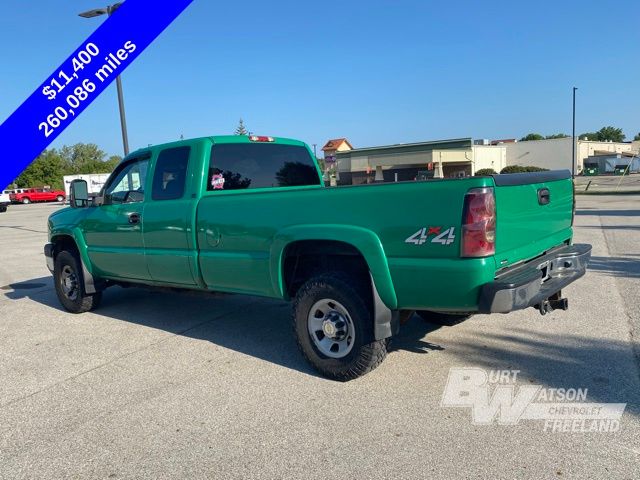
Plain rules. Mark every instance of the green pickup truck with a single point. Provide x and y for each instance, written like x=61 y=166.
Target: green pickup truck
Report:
x=250 y=215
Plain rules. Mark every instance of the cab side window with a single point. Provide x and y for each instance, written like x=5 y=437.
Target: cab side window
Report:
x=127 y=184
x=170 y=175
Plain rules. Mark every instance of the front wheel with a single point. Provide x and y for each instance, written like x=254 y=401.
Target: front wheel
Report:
x=334 y=328
x=59 y=198
x=26 y=200
x=67 y=277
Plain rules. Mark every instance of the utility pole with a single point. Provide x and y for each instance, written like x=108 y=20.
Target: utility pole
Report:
x=123 y=121
x=314 y=151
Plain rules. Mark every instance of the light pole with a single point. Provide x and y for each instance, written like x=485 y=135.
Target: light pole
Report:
x=573 y=136
x=314 y=151
x=123 y=121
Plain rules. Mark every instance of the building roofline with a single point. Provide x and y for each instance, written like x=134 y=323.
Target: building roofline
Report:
x=459 y=142
x=568 y=139
x=339 y=141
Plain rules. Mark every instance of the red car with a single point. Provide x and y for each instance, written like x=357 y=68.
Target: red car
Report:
x=28 y=195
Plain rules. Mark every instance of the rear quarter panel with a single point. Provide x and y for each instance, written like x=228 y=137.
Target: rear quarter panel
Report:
x=236 y=231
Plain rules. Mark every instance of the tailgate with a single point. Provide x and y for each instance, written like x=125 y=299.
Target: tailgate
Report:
x=534 y=214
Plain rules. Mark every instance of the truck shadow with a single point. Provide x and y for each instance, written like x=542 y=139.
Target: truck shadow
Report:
x=412 y=337
x=253 y=326
x=261 y=328
x=608 y=213
x=616 y=266
x=20 y=227
x=607 y=368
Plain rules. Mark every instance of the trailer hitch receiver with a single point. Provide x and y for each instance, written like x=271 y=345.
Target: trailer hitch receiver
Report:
x=554 y=302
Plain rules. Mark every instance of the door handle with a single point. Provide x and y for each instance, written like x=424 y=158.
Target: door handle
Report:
x=544 y=196
x=134 y=218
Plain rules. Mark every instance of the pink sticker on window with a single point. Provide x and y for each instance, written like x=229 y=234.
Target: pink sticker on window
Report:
x=217 y=181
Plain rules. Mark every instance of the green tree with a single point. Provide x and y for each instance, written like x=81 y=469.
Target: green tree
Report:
x=522 y=169
x=47 y=169
x=556 y=135
x=637 y=137
x=588 y=136
x=535 y=169
x=605 y=134
x=111 y=164
x=51 y=165
x=484 y=172
x=532 y=136
x=513 y=169
x=610 y=134
x=83 y=158
x=241 y=129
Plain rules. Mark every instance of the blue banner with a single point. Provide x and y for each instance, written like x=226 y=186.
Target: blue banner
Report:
x=80 y=79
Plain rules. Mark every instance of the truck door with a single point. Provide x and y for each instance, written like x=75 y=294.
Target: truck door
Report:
x=168 y=217
x=45 y=195
x=113 y=231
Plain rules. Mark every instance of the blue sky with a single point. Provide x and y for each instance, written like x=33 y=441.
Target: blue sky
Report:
x=377 y=72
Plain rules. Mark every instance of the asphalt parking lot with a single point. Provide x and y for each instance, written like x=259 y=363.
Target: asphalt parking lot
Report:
x=165 y=385
x=608 y=184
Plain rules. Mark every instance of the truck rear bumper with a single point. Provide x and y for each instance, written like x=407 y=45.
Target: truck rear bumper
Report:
x=533 y=283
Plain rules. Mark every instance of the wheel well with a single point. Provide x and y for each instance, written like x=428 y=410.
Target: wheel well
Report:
x=63 y=242
x=307 y=258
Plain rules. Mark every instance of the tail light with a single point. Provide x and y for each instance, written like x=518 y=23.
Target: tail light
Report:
x=479 y=223
x=259 y=138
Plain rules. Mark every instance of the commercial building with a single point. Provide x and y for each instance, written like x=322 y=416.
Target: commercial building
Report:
x=462 y=157
x=556 y=153
x=443 y=158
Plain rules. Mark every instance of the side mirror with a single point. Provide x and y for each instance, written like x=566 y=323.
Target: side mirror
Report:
x=79 y=193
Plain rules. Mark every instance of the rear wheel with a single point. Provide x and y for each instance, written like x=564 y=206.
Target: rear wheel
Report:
x=26 y=200
x=59 y=198
x=334 y=328
x=440 y=318
x=69 y=284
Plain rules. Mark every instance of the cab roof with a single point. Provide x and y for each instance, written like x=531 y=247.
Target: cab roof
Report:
x=215 y=139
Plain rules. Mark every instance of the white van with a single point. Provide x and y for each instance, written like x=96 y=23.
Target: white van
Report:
x=5 y=201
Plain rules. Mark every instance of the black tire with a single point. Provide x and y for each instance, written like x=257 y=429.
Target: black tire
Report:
x=59 y=198
x=364 y=353
x=69 y=284
x=26 y=200
x=3 y=208
x=441 y=318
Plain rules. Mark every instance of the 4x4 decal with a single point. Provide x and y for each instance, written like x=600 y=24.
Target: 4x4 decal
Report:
x=422 y=236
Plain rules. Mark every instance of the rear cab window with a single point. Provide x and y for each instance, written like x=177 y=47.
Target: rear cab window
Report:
x=248 y=166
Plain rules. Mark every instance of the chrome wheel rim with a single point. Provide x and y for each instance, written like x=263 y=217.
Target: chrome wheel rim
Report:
x=69 y=283
x=331 y=328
